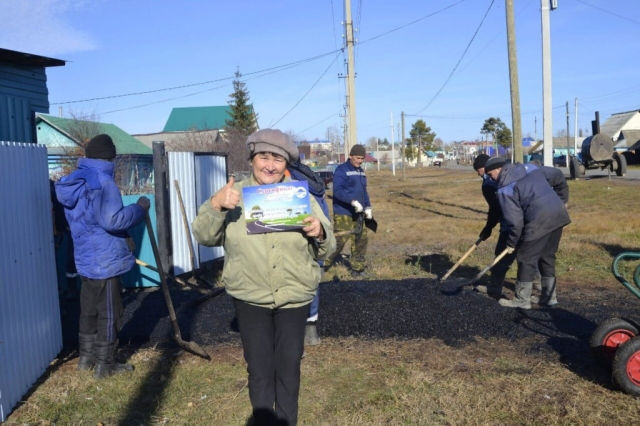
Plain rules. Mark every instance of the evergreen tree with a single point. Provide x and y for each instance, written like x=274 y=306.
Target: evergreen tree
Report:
x=243 y=121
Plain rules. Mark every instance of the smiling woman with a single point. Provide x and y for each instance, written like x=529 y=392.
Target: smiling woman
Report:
x=271 y=276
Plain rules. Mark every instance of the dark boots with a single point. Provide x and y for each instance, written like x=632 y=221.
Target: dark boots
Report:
x=87 y=358
x=106 y=364
x=548 y=296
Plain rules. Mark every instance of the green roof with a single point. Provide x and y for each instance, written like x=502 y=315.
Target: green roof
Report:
x=124 y=142
x=197 y=118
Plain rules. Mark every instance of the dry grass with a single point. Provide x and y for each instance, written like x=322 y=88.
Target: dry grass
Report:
x=426 y=222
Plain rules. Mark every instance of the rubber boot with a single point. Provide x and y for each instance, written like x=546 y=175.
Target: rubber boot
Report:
x=106 y=365
x=548 y=296
x=537 y=287
x=522 y=298
x=86 y=359
x=311 y=337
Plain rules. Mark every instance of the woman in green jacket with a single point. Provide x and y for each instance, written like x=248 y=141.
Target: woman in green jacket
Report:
x=272 y=277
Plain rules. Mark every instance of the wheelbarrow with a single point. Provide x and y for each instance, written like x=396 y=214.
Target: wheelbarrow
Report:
x=616 y=341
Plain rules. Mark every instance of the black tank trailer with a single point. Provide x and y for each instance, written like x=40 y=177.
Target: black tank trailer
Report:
x=597 y=152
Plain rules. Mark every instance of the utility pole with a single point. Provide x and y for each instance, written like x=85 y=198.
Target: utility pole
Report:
x=575 y=128
x=402 y=143
x=516 y=142
x=567 y=110
x=378 y=152
x=351 y=89
x=419 y=148
x=545 y=6
x=393 y=156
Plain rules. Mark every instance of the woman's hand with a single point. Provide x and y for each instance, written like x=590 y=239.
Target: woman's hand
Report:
x=227 y=198
x=314 y=228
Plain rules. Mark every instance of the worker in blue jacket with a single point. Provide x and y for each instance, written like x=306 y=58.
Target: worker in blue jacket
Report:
x=533 y=204
x=351 y=206
x=99 y=222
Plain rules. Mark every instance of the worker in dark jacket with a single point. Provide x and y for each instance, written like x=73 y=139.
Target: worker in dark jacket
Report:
x=534 y=214
x=99 y=224
x=351 y=206
x=494 y=216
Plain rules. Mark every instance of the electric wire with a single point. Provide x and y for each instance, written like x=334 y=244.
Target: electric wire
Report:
x=183 y=86
x=461 y=57
x=609 y=12
x=415 y=21
x=319 y=122
x=307 y=92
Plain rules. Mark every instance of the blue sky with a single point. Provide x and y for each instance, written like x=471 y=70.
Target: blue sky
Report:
x=405 y=59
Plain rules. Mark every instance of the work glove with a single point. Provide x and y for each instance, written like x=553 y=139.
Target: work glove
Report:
x=485 y=233
x=357 y=206
x=510 y=250
x=368 y=213
x=144 y=203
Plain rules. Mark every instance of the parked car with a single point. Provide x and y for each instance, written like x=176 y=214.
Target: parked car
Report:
x=438 y=160
x=327 y=177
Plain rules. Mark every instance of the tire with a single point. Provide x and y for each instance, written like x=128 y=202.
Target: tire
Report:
x=626 y=367
x=608 y=336
x=574 y=168
x=621 y=164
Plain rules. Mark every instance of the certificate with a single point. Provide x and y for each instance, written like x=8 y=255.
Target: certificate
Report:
x=277 y=207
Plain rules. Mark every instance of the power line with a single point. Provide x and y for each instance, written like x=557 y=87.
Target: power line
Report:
x=307 y=92
x=415 y=21
x=609 y=12
x=319 y=122
x=459 y=60
x=274 y=69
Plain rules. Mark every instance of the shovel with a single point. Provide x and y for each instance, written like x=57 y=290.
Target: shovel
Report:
x=194 y=279
x=464 y=256
x=491 y=265
x=177 y=336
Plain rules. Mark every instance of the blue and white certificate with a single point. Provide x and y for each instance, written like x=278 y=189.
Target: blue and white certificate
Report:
x=277 y=207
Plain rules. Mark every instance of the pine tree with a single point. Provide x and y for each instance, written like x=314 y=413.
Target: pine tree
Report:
x=243 y=120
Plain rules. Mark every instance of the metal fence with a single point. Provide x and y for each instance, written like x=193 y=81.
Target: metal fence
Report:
x=198 y=176
x=30 y=329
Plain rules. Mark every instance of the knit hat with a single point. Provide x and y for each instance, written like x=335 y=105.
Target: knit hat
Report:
x=273 y=141
x=494 y=163
x=480 y=161
x=358 y=150
x=100 y=147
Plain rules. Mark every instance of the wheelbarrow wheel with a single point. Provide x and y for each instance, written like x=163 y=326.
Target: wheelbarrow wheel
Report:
x=608 y=336
x=626 y=367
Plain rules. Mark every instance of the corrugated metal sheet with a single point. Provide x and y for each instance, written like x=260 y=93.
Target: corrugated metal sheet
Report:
x=30 y=330
x=198 y=176
x=23 y=91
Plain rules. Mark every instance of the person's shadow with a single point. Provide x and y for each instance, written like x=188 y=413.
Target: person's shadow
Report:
x=568 y=335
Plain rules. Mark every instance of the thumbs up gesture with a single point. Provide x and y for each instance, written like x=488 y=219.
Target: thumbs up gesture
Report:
x=226 y=198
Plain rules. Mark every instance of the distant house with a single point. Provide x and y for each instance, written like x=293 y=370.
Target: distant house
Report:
x=23 y=92
x=197 y=118
x=619 y=122
x=191 y=129
x=61 y=136
x=622 y=127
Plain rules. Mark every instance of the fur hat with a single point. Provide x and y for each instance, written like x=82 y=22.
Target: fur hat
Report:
x=273 y=141
x=100 y=147
x=494 y=163
x=480 y=161
x=358 y=150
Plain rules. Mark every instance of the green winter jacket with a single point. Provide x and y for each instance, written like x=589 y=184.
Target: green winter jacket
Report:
x=271 y=270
